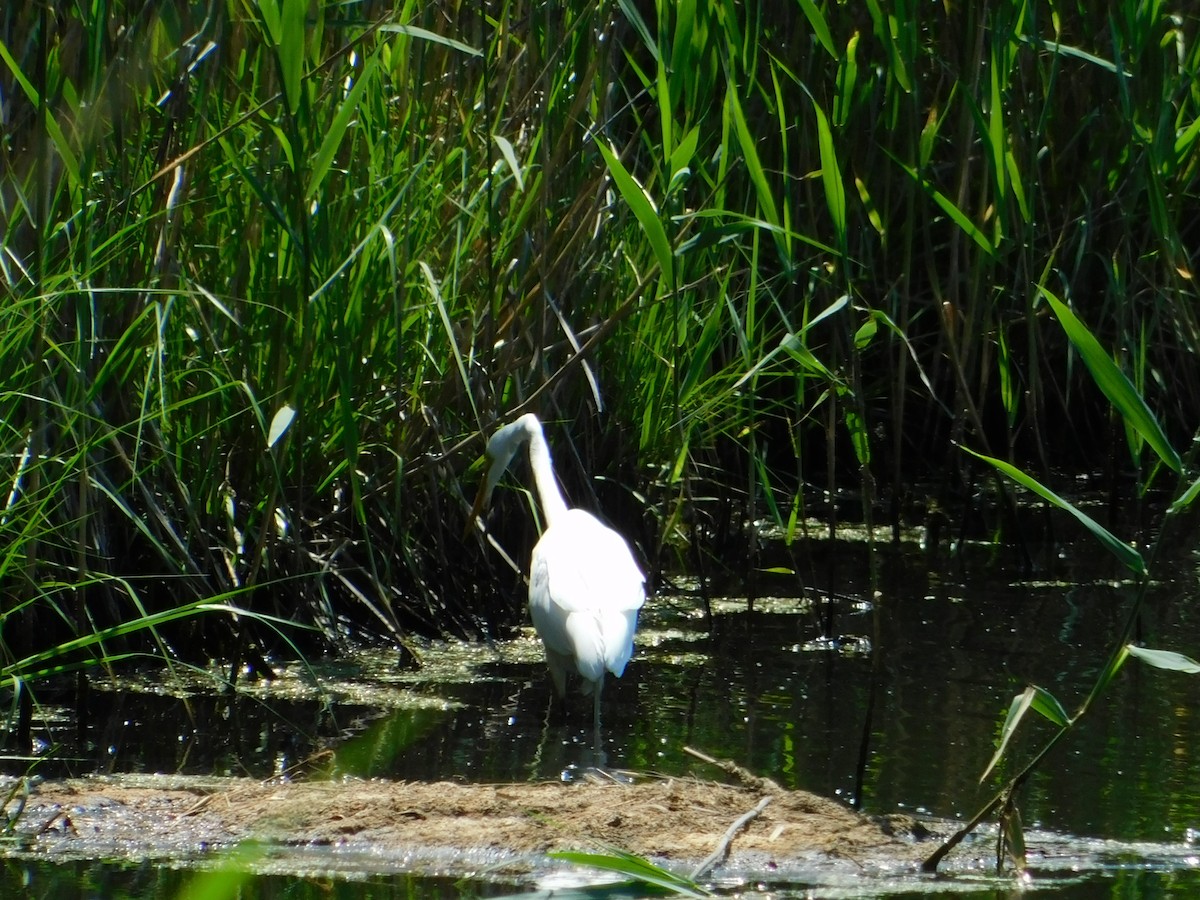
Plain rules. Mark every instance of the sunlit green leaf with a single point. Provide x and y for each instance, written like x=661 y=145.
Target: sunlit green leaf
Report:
x=280 y=422
x=1114 y=383
x=337 y=129
x=1126 y=554
x=31 y=93
x=1014 y=834
x=1018 y=188
x=681 y=156
x=510 y=159
x=639 y=202
x=1016 y=712
x=1076 y=52
x=1183 y=143
x=1115 y=662
x=1165 y=659
x=748 y=143
x=961 y=219
x=859 y=438
x=887 y=25
x=433 y=37
x=639 y=25
x=866 y=333
x=666 y=117
x=831 y=176
x=997 y=141
x=1010 y=396
x=847 y=79
x=634 y=867
x=1035 y=698
x=1048 y=707
x=820 y=27
x=1186 y=499
x=873 y=215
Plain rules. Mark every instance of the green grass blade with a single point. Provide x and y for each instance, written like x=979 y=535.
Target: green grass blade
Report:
x=961 y=219
x=1165 y=659
x=433 y=37
x=337 y=129
x=1121 y=550
x=435 y=291
x=1040 y=701
x=1015 y=182
x=819 y=26
x=280 y=422
x=831 y=176
x=638 y=200
x=635 y=867
x=666 y=121
x=1183 y=143
x=1075 y=52
x=1186 y=499
x=290 y=47
x=66 y=154
x=860 y=438
x=1047 y=705
x=639 y=25
x=847 y=80
x=1110 y=670
x=31 y=93
x=1016 y=712
x=1114 y=383
x=510 y=159
x=748 y=142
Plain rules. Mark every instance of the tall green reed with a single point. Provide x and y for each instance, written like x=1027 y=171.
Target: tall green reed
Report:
x=1130 y=405
x=751 y=255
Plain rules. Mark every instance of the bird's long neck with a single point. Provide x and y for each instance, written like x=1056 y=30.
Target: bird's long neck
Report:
x=554 y=507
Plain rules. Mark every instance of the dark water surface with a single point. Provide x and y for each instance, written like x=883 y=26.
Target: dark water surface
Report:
x=945 y=650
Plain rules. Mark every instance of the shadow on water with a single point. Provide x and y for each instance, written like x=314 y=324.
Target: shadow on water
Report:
x=78 y=879
x=761 y=688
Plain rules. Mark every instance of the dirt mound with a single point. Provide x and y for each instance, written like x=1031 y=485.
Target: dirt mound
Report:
x=676 y=819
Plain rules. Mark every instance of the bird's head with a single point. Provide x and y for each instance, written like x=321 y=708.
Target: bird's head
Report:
x=501 y=449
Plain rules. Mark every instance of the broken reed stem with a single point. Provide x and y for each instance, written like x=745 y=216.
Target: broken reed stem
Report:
x=722 y=851
x=744 y=776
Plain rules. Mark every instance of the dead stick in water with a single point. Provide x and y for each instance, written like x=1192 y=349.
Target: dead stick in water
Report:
x=745 y=776
x=722 y=851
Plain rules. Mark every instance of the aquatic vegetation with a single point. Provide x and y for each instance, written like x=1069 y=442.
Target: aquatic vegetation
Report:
x=272 y=270
x=1141 y=421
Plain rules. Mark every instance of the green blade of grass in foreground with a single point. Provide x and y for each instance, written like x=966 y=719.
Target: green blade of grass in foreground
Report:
x=1121 y=550
x=1165 y=659
x=1035 y=698
x=1114 y=383
x=638 y=200
x=636 y=868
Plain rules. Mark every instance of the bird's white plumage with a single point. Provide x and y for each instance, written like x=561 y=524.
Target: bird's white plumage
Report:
x=585 y=588
x=585 y=591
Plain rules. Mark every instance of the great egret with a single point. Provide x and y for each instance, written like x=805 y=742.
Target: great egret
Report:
x=585 y=589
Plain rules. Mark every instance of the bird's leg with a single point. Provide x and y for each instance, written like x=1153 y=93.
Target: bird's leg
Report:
x=535 y=764
x=598 y=748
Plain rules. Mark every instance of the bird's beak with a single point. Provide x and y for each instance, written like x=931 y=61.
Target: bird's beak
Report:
x=477 y=508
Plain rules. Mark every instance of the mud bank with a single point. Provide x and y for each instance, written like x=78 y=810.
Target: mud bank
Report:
x=458 y=828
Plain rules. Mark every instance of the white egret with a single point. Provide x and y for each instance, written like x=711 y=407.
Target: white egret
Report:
x=585 y=589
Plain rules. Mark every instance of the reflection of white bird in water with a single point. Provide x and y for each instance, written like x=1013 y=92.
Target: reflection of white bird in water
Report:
x=585 y=589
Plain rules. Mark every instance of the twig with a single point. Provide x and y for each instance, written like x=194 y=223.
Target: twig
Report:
x=744 y=776
x=722 y=851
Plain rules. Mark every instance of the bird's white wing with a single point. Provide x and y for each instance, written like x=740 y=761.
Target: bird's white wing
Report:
x=585 y=590
x=589 y=566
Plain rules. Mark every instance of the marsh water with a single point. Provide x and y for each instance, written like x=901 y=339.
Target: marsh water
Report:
x=881 y=684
